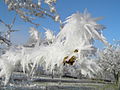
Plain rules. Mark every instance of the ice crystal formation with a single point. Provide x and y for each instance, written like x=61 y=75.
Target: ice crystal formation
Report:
x=72 y=46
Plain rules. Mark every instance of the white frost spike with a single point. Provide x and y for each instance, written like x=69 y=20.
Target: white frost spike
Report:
x=35 y=38
x=86 y=14
x=34 y=33
x=49 y=35
x=6 y=70
x=97 y=19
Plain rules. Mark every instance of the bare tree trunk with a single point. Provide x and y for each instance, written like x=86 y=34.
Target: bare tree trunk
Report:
x=115 y=76
x=118 y=80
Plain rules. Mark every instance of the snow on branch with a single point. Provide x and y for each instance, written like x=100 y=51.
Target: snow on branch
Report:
x=29 y=9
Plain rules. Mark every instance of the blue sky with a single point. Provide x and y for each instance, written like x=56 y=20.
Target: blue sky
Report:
x=109 y=9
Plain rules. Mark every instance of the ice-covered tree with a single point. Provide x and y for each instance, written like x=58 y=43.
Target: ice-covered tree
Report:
x=109 y=60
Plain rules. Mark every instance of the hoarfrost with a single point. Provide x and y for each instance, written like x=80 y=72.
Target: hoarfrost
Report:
x=74 y=41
